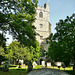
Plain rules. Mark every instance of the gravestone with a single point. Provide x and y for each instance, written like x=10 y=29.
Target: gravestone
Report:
x=21 y=65
x=58 y=63
x=34 y=64
x=21 y=61
x=48 y=64
x=43 y=64
x=6 y=67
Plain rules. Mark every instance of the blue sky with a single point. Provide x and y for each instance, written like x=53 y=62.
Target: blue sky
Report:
x=58 y=9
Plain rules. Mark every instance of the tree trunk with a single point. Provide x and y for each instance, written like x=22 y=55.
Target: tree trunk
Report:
x=74 y=60
x=30 y=66
x=74 y=68
x=0 y=63
x=16 y=62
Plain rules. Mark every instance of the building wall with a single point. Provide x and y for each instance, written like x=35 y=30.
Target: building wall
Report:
x=42 y=24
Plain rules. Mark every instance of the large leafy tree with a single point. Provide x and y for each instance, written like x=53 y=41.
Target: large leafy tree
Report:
x=2 y=48
x=35 y=51
x=17 y=17
x=59 y=52
x=64 y=40
x=2 y=55
x=17 y=51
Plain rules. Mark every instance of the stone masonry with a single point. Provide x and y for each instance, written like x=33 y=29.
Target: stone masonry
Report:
x=42 y=24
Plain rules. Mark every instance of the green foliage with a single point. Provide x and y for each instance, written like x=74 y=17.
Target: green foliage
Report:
x=43 y=52
x=2 y=41
x=38 y=67
x=18 y=51
x=35 y=51
x=2 y=54
x=15 y=72
x=17 y=17
x=62 y=42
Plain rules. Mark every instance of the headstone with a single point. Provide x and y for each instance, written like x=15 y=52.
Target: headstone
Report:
x=58 y=63
x=43 y=64
x=23 y=66
x=48 y=64
x=21 y=61
x=34 y=64
x=6 y=67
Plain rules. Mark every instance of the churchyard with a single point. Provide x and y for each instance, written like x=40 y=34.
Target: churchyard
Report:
x=14 y=70
x=30 y=40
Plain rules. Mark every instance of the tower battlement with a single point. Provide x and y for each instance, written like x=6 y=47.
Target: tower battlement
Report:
x=44 y=8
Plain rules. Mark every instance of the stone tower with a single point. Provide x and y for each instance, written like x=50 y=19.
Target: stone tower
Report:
x=42 y=24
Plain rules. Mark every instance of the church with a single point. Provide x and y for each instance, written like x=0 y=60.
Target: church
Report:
x=43 y=28
x=42 y=24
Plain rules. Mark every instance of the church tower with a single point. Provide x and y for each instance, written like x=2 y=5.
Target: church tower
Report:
x=42 y=24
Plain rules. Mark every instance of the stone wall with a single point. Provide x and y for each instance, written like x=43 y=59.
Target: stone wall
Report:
x=42 y=24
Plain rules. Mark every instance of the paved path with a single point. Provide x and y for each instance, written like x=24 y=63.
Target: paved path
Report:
x=47 y=71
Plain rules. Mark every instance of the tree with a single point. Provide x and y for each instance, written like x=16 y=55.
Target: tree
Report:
x=17 y=51
x=59 y=52
x=35 y=51
x=64 y=39
x=2 y=48
x=17 y=17
x=2 y=55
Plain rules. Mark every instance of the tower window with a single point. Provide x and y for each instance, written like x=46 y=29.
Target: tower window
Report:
x=41 y=25
x=41 y=37
x=41 y=14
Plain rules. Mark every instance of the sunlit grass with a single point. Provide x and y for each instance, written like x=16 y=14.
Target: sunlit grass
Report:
x=68 y=70
x=61 y=68
x=13 y=70
x=15 y=67
x=37 y=67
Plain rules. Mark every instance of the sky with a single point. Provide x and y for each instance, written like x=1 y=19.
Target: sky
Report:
x=58 y=9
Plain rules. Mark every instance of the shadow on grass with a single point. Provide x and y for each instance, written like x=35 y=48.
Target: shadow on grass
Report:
x=12 y=65
x=18 y=71
x=69 y=72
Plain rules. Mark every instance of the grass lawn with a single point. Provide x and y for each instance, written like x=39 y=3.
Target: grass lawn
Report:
x=23 y=71
x=15 y=71
x=68 y=70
